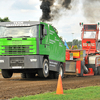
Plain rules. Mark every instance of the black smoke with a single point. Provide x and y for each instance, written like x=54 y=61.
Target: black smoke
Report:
x=45 y=6
x=66 y=4
x=51 y=11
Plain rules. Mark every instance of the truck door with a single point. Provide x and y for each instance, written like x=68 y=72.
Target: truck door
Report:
x=44 y=39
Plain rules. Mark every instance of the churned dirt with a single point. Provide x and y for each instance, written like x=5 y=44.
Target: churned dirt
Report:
x=16 y=86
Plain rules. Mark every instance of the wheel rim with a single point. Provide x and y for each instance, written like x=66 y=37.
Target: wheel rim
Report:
x=60 y=71
x=46 y=68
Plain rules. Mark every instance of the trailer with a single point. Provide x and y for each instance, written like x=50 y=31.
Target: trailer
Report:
x=85 y=62
x=30 y=48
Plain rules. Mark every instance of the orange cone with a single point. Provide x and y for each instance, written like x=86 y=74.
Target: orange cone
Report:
x=59 y=86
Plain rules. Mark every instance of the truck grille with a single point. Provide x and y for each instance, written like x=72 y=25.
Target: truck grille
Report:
x=16 y=61
x=17 y=49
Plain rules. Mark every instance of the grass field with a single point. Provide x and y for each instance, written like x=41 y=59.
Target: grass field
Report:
x=87 y=93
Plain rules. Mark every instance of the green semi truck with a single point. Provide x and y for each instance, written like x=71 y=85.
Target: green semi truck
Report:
x=30 y=48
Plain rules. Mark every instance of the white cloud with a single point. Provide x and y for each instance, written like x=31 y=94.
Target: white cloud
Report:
x=28 y=11
x=33 y=2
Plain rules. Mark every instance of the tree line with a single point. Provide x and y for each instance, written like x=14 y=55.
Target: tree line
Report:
x=76 y=43
x=6 y=19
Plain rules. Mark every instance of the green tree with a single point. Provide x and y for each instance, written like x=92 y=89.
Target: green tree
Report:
x=6 y=19
x=75 y=47
x=75 y=42
x=69 y=43
x=69 y=46
x=80 y=44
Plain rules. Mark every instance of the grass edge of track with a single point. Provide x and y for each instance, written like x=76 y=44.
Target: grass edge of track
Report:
x=86 y=93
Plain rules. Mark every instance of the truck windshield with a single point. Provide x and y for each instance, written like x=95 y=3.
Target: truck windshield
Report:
x=19 y=31
x=89 y=34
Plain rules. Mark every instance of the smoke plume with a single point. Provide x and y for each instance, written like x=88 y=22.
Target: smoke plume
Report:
x=51 y=8
x=91 y=10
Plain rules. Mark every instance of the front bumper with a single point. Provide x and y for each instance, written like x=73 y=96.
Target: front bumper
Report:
x=21 y=62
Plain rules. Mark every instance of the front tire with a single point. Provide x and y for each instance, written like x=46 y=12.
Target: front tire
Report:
x=6 y=73
x=44 y=72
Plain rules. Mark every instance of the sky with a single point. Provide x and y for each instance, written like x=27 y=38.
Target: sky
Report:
x=25 y=10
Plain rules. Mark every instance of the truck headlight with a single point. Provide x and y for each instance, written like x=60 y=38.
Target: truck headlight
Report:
x=1 y=61
x=33 y=60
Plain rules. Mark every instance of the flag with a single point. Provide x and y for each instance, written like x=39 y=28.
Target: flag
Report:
x=66 y=45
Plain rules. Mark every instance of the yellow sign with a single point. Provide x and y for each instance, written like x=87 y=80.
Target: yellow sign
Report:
x=75 y=54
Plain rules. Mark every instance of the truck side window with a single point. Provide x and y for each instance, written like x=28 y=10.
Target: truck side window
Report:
x=42 y=28
x=43 y=31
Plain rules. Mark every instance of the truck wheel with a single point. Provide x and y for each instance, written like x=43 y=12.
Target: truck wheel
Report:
x=44 y=72
x=82 y=70
x=95 y=71
x=6 y=73
x=99 y=70
x=81 y=74
x=23 y=75
x=61 y=72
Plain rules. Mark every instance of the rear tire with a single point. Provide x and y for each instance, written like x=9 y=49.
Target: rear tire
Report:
x=99 y=70
x=6 y=73
x=95 y=71
x=61 y=72
x=82 y=69
x=44 y=72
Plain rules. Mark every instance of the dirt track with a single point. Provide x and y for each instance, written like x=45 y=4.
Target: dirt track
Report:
x=16 y=86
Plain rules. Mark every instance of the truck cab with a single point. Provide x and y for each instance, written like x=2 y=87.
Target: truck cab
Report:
x=90 y=37
x=30 y=47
